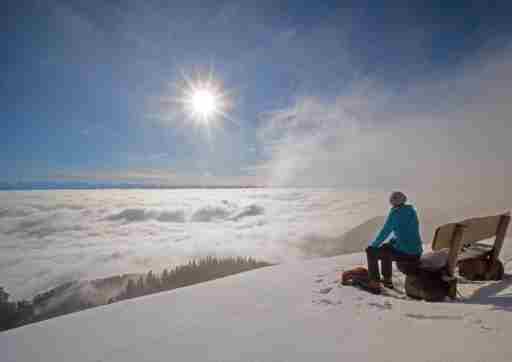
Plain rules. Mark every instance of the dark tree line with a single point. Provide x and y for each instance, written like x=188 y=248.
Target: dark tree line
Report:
x=194 y=272
x=14 y=314
x=17 y=313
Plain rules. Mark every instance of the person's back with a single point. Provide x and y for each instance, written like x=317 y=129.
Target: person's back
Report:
x=403 y=222
x=406 y=229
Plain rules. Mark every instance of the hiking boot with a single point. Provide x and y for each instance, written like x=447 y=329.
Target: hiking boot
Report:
x=388 y=283
x=374 y=287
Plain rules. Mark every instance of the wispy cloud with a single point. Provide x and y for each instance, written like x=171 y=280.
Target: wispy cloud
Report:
x=159 y=177
x=437 y=133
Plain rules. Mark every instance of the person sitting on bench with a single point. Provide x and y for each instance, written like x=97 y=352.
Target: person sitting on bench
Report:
x=404 y=248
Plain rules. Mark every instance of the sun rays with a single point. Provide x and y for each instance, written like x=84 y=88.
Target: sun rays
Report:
x=203 y=100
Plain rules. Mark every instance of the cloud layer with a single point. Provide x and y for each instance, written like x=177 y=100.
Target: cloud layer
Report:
x=49 y=237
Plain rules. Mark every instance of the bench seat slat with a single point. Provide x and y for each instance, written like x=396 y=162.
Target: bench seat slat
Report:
x=475 y=251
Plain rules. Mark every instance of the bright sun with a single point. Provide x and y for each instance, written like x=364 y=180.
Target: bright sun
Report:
x=204 y=101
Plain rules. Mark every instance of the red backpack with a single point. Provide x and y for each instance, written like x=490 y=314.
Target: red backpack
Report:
x=358 y=273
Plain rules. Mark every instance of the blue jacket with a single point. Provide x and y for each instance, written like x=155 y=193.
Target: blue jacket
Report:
x=403 y=222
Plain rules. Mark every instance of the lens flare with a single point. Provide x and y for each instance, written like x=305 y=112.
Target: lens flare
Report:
x=203 y=100
x=204 y=103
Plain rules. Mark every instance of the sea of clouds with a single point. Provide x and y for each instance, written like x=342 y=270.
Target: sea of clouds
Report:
x=50 y=237
x=55 y=236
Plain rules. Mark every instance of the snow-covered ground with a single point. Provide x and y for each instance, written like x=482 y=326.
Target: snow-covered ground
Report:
x=289 y=312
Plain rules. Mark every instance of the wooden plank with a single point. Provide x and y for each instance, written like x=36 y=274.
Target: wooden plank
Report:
x=443 y=237
x=477 y=229
x=456 y=244
x=500 y=236
x=480 y=228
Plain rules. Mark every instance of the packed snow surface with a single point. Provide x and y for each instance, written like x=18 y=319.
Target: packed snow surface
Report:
x=291 y=312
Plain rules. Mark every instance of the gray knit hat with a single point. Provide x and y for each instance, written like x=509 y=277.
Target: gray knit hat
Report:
x=397 y=198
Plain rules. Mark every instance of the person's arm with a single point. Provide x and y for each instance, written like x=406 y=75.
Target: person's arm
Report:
x=385 y=231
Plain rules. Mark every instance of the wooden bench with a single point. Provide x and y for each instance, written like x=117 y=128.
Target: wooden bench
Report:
x=461 y=244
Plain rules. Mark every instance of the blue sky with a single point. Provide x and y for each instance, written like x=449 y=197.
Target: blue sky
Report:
x=82 y=84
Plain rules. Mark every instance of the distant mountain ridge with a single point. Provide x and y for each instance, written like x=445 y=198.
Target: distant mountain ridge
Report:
x=85 y=185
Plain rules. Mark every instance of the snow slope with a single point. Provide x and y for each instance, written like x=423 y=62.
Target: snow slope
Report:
x=281 y=313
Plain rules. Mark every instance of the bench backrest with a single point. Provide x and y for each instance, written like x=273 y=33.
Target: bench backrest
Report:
x=470 y=231
x=475 y=229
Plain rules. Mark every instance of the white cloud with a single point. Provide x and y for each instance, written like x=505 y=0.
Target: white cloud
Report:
x=50 y=237
x=159 y=177
x=448 y=134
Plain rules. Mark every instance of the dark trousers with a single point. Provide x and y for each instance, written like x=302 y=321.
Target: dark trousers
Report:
x=406 y=263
